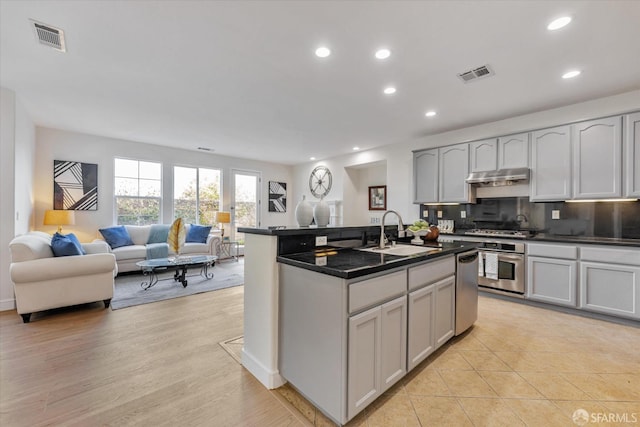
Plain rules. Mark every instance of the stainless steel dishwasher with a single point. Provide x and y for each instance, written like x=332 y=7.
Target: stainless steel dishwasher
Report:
x=466 y=290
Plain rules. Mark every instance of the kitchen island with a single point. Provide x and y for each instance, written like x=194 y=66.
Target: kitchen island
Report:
x=317 y=309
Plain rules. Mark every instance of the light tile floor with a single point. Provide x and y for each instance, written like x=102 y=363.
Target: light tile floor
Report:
x=518 y=366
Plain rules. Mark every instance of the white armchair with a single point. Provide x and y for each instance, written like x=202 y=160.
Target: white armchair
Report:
x=42 y=281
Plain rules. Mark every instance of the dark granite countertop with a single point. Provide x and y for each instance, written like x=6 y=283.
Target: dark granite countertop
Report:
x=586 y=240
x=349 y=263
x=296 y=230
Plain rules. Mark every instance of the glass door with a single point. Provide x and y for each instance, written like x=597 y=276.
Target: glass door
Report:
x=245 y=202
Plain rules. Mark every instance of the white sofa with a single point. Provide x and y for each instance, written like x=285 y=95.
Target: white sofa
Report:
x=42 y=281
x=128 y=256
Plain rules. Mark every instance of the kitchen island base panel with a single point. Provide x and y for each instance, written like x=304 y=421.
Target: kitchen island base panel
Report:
x=260 y=352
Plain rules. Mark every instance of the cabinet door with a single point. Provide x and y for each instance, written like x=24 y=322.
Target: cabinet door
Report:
x=597 y=158
x=363 y=378
x=551 y=164
x=425 y=176
x=483 y=155
x=393 y=359
x=445 y=315
x=611 y=289
x=632 y=166
x=552 y=280
x=513 y=151
x=454 y=169
x=421 y=341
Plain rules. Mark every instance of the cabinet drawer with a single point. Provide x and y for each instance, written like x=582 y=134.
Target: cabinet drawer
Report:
x=552 y=251
x=375 y=291
x=431 y=272
x=611 y=255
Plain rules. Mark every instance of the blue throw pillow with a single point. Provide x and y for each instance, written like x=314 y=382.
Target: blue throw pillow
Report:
x=116 y=236
x=75 y=240
x=159 y=233
x=198 y=233
x=65 y=246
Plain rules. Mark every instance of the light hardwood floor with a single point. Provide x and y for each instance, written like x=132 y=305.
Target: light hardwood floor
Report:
x=161 y=364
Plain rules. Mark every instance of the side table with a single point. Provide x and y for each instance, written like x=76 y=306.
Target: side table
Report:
x=229 y=249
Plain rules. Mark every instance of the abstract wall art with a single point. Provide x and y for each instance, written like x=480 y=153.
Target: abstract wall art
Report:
x=277 y=196
x=75 y=185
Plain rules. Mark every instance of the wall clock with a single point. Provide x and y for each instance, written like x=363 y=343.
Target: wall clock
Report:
x=320 y=181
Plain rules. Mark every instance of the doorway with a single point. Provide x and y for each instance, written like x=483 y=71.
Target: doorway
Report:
x=245 y=201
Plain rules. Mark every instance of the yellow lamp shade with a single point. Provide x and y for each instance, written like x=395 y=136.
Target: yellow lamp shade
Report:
x=223 y=217
x=59 y=218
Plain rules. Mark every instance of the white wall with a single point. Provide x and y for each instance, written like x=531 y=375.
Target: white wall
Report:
x=55 y=144
x=17 y=145
x=399 y=161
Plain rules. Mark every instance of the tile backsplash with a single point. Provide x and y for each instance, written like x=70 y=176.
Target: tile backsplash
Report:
x=589 y=219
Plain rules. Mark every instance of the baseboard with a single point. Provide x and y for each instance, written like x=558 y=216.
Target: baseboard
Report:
x=7 y=304
x=270 y=379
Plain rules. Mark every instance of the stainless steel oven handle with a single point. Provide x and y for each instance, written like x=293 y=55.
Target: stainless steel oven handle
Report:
x=503 y=255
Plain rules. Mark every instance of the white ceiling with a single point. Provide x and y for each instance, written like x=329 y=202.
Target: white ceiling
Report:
x=242 y=78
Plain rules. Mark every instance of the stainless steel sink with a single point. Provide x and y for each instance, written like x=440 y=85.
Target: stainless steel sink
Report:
x=403 y=250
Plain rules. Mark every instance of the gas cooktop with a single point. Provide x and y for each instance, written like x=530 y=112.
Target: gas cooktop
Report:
x=515 y=234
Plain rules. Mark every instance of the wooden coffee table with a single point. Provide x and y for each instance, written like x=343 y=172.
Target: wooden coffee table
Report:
x=151 y=268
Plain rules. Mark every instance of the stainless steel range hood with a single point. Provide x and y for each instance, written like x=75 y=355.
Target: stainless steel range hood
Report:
x=499 y=177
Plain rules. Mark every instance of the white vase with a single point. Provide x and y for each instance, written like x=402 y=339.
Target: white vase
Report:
x=321 y=213
x=304 y=213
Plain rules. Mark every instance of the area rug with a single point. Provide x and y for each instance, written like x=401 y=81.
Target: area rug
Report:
x=128 y=292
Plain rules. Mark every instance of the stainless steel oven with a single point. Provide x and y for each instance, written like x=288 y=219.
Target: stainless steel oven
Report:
x=501 y=267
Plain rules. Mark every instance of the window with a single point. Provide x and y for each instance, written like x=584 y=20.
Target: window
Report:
x=196 y=193
x=138 y=192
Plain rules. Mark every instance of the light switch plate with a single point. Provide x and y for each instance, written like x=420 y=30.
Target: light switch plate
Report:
x=555 y=214
x=439 y=214
x=425 y=214
x=321 y=240
x=463 y=214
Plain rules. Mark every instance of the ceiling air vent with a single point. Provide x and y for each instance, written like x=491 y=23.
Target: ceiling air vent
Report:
x=476 y=73
x=49 y=36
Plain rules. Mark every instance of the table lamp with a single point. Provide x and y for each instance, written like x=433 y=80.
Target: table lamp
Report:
x=223 y=218
x=59 y=218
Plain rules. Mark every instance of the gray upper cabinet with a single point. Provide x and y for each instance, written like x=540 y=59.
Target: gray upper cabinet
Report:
x=597 y=158
x=632 y=154
x=453 y=170
x=425 y=176
x=483 y=155
x=551 y=164
x=513 y=151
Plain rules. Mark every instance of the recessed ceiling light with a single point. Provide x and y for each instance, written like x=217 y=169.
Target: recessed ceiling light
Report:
x=558 y=23
x=356 y=148
x=383 y=53
x=389 y=90
x=312 y=158
x=430 y=113
x=323 y=52
x=571 y=74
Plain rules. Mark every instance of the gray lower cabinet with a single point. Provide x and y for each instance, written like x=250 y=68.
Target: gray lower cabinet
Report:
x=632 y=155
x=552 y=273
x=552 y=280
x=551 y=164
x=431 y=308
x=377 y=352
x=610 y=280
x=610 y=289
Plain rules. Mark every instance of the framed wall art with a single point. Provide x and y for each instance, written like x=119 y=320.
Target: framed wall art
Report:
x=75 y=185
x=277 y=196
x=378 y=198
